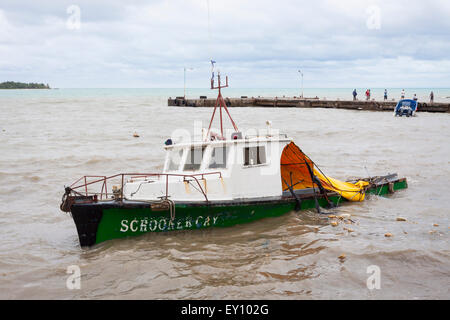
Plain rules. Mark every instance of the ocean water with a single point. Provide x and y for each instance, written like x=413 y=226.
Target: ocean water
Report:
x=423 y=94
x=50 y=138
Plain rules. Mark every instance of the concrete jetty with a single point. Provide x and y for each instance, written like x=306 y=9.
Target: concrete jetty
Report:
x=284 y=102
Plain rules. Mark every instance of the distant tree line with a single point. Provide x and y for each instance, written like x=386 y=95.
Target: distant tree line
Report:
x=21 y=85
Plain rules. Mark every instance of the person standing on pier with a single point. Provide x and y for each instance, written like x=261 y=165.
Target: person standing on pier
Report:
x=354 y=94
x=431 y=97
x=385 y=95
x=367 y=94
x=415 y=97
x=403 y=93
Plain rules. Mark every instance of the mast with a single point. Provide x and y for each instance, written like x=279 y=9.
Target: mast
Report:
x=220 y=102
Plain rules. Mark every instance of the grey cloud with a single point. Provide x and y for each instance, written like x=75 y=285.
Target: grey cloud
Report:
x=147 y=43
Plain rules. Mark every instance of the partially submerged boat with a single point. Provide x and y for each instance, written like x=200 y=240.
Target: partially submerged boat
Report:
x=405 y=107
x=220 y=181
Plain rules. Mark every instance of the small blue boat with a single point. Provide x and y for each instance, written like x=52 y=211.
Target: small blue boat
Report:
x=406 y=107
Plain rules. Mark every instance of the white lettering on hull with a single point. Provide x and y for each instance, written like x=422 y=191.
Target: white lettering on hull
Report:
x=164 y=224
x=133 y=226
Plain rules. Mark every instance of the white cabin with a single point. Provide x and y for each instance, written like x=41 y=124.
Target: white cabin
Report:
x=230 y=169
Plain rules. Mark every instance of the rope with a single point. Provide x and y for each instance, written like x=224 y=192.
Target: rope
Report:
x=133 y=193
x=381 y=188
x=193 y=186
x=171 y=208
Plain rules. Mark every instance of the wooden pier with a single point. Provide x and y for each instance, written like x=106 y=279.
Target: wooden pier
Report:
x=283 y=102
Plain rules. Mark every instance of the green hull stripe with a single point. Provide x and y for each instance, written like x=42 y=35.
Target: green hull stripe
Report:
x=125 y=222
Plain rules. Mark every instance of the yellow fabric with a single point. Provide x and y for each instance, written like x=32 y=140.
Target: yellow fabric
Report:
x=295 y=172
x=350 y=191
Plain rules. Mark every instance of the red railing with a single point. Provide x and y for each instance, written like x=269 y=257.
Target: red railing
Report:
x=122 y=176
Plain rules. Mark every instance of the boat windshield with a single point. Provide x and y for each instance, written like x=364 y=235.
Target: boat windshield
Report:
x=218 y=158
x=407 y=104
x=174 y=160
x=194 y=159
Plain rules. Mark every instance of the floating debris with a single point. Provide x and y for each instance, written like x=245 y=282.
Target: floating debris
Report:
x=342 y=257
x=334 y=223
x=135 y=135
x=388 y=235
x=435 y=225
x=348 y=229
x=344 y=216
x=401 y=219
x=331 y=216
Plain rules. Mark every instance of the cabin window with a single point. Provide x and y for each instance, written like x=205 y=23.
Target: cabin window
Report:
x=254 y=155
x=174 y=160
x=218 y=158
x=194 y=159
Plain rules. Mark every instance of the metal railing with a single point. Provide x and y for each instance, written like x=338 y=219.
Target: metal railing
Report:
x=103 y=180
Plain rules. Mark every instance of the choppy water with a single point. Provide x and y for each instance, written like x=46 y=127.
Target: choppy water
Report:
x=50 y=138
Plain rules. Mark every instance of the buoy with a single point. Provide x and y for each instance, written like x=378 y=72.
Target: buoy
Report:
x=435 y=225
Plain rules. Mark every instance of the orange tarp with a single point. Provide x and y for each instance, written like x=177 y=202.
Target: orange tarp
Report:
x=293 y=168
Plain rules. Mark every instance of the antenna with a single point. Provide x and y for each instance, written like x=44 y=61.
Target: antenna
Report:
x=219 y=102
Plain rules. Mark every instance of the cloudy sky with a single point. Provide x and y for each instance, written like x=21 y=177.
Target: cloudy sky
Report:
x=258 y=43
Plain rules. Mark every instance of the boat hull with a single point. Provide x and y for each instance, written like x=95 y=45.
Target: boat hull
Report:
x=105 y=220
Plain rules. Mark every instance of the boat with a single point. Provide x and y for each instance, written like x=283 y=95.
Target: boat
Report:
x=219 y=180
x=406 y=107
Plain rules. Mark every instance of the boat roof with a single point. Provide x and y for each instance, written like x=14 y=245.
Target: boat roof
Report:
x=247 y=139
x=411 y=101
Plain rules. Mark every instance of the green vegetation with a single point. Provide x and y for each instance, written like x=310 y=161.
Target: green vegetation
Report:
x=20 y=85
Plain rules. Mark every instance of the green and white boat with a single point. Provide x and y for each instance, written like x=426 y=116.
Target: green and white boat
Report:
x=219 y=181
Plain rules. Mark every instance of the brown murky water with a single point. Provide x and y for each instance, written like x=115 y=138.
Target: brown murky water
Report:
x=47 y=142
